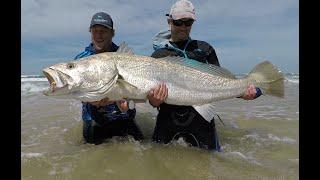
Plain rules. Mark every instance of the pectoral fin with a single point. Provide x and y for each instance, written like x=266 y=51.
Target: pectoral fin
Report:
x=126 y=85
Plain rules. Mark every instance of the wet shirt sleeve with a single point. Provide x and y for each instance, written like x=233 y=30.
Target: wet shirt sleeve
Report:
x=203 y=52
x=213 y=58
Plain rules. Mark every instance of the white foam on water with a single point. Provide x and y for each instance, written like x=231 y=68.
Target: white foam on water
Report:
x=33 y=84
x=284 y=139
x=294 y=81
x=29 y=145
x=292 y=78
x=254 y=136
x=180 y=141
x=31 y=76
x=31 y=155
x=31 y=87
x=270 y=137
x=236 y=154
x=34 y=80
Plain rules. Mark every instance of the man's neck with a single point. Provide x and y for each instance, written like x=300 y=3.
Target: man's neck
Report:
x=180 y=44
x=172 y=39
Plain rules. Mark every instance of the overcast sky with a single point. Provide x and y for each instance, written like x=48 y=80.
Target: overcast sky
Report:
x=243 y=32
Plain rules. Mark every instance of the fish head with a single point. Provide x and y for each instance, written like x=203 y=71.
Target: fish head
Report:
x=63 y=78
x=79 y=78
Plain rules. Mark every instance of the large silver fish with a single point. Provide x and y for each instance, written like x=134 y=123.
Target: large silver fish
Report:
x=123 y=75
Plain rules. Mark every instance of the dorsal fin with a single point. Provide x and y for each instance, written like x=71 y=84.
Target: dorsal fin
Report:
x=208 y=68
x=123 y=48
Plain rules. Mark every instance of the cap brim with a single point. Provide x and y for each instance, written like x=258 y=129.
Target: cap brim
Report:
x=107 y=26
x=183 y=15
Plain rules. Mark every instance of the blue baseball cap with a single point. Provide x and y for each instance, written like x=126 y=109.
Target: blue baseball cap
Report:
x=103 y=19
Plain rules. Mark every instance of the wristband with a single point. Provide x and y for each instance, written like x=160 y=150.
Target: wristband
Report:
x=131 y=104
x=259 y=92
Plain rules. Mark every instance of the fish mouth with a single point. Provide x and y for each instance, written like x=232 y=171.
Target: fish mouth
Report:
x=56 y=81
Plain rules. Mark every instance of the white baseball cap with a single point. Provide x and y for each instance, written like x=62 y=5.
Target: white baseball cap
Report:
x=182 y=9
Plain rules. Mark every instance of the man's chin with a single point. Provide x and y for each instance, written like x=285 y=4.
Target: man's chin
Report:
x=183 y=38
x=99 y=47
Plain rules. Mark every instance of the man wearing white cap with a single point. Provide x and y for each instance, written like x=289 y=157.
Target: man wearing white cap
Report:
x=195 y=124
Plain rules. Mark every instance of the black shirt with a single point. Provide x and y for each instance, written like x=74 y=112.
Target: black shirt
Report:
x=197 y=50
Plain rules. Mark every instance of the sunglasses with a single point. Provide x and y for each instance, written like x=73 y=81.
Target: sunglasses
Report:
x=179 y=22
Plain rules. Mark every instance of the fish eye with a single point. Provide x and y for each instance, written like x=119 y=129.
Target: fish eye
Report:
x=70 y=65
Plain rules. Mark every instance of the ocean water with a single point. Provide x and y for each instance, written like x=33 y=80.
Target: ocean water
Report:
x=259 y=138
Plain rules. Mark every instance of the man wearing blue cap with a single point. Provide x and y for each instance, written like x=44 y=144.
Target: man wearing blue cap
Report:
x=105 y=119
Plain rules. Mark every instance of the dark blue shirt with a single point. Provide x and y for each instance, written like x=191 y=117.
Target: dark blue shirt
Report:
x=109 y=112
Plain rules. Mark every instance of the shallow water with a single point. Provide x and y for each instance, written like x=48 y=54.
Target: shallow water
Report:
x=260 y=140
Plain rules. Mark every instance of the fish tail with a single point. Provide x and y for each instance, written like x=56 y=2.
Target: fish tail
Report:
x=269 y=78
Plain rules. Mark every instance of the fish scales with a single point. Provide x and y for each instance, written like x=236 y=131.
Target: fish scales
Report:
x=118 y=75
